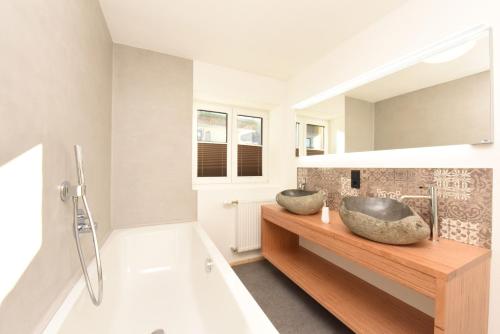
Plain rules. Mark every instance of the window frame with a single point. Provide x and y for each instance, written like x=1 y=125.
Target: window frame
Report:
x=323 y=144
x=234 y=168
x=214 y=108
x=303 y=121
x=213 y=112
x=232 y=142
x=298 y=137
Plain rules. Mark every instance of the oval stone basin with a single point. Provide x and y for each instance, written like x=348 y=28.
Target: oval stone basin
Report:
x=301 y=202
x=383 y=220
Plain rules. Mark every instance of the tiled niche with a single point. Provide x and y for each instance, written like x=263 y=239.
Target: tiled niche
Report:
x=464 y=195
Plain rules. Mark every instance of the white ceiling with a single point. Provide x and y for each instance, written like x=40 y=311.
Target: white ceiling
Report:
x=276 y=38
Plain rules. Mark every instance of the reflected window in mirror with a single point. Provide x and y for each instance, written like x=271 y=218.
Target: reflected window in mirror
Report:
x=315 y=139
x=297 y=139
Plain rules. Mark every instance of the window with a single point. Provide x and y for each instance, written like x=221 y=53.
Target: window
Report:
x=315 y=139
x=311 y=136
x=212 y=143
x=249 y=145
x=229 y=144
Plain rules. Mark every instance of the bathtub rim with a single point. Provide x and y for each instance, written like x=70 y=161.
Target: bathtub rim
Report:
x=255 y=317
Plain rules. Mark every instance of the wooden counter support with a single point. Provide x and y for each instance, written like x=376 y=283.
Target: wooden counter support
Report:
x=454 y=274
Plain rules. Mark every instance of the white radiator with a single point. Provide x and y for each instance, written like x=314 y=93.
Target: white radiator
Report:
x=248 y=225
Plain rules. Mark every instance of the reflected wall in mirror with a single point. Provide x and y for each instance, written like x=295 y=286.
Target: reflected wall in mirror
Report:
x=443 y=100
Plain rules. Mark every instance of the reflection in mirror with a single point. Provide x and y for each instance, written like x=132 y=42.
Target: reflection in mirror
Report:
x=443 y=100
x=315 y=139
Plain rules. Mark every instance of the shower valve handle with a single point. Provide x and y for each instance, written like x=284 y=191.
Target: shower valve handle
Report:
x=84 y=222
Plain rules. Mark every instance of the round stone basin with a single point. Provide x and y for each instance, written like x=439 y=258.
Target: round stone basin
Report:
x=383 y=220
x=301 y=202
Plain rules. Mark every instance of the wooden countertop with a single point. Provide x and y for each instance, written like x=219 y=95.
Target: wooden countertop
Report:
x=443 y=259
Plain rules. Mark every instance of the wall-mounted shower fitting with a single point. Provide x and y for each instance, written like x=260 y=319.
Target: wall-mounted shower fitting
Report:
x=83 y=223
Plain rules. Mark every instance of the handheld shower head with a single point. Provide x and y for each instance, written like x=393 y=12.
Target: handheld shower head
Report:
x=79 y=164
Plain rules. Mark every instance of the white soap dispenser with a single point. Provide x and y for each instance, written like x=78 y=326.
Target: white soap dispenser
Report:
x=325 y=213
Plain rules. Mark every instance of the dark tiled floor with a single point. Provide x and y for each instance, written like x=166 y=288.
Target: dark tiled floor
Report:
x=290 y=309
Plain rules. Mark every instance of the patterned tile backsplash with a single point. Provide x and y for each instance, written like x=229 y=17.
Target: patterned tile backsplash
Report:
x=464 y=195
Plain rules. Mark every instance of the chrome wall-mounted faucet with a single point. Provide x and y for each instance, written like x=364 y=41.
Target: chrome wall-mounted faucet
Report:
x=434 y=210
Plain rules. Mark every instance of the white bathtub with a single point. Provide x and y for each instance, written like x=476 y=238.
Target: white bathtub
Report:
x=155 y=278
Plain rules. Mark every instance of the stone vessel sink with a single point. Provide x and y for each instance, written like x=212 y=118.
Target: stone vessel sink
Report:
x=383 y=220
x=301 y=202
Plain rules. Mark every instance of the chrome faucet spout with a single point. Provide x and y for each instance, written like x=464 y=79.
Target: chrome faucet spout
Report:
x=402 y=198
x=434 y=210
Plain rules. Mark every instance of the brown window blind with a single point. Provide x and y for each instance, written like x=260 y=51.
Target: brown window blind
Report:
x=213 y=146
x=212 y=160
x=249 y=160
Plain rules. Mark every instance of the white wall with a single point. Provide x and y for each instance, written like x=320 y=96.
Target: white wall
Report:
x=337 y=134
x=213 y=83
x=282 y=161
x=413 y=26
x=223 y=85
x=219 y=220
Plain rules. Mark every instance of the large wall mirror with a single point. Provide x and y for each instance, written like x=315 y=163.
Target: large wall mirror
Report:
x=443 y=99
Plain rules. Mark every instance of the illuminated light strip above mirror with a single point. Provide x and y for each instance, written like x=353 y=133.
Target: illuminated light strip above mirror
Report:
x=451 y=42
x=451 y=54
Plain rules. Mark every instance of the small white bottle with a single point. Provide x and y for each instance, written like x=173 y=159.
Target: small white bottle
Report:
x=325 y=213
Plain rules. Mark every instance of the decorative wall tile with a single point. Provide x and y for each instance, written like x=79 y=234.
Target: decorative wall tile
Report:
x=453 y=183
x=388 y=194
x=464 y=194
x=458 y=230
x=346 y=189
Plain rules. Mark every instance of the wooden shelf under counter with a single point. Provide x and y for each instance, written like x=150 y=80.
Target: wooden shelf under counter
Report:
x=455 y=275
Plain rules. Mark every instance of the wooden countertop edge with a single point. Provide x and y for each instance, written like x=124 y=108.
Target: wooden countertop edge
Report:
x=470 y=264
